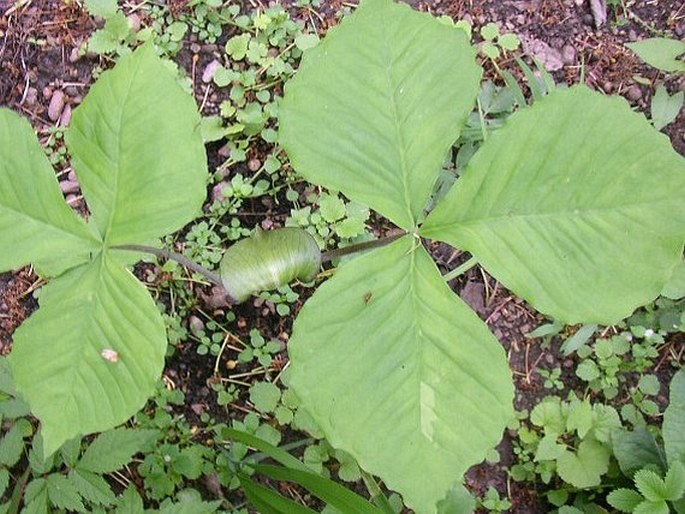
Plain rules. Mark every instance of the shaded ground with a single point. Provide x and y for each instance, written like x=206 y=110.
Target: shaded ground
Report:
x=43 y=77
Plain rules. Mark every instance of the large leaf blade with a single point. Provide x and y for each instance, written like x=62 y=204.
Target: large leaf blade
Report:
x=36 y=225
x=577 y=205
x=400 y=373
x=138 y=152
x=674 y=421
x=374 y=116
x=91 y=355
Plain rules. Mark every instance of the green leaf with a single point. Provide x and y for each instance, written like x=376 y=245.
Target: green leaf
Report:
x=143 y=172
x=635 y=450
x=580 y=418
x=421 y=362
x=268 y=501
x=323 y=488
x=269 y=259
x=332 y=207
x=649 y=385
x=675 y=287
x=63 y=494
x=585 y=467
x=660 y=52
x=664 y=107
x=587 y=370
x=673 y=428
x=547 y=414
x=624 y=500
x=509 y=42
x=130 y=502
x=264 y=396
x=190 y=461
x=103 y=362
x=650 y=485
x=36 y=225
x=4 y=481
x=581 y=337
x=113 y=449
x=374 y=116
x=458 y=499
x=193 y=506
x=675 y=481
x=489 y=31
x=306 y=41
x=36 y=497
x=12 y=444
x=92 y=487
x=548 y=448
x=650 y=507
x=236 y=47
x=576 y=204
x=605 y=419
x=104 y=8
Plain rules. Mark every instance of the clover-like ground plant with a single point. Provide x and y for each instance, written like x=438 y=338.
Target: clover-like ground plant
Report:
x=576 y=204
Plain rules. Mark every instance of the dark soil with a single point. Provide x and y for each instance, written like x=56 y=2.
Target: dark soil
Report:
x=39 y=44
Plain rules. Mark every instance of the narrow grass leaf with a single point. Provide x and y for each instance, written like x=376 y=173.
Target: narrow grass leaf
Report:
x=323 y=488
x=268 y=501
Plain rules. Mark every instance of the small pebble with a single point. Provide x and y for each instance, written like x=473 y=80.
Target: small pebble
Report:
x=607 y=87
x=56 y=105
x=224 y=151
x=47 y=92
x=195 y=48
x=31 y=96
x=208 y=73
x=72 y=175
x=195 y=325
x=75 y=54
x=634 y=93
x=217 y=194
x=69 y=186
x=254 y=164
x=568 y=54
x=71 y=90
x=134 y=21
x=65 y=118
x=209 y=48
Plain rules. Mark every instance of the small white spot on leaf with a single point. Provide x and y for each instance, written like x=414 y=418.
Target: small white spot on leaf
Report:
x=110 y=355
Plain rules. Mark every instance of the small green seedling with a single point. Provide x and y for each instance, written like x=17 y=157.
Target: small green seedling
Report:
x=665 y=108
x=494 y=43
x=658 y=473
x=663 y=53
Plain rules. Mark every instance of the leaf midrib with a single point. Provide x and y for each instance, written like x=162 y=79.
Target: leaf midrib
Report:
x=566 y=213
x=116 y=190
x=48 y=226
x=394 y=105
